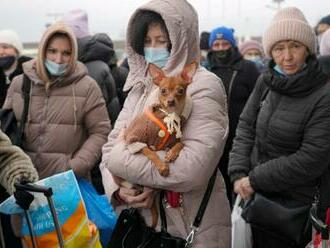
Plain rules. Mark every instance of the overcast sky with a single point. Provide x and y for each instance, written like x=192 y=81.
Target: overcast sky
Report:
x=247 y=17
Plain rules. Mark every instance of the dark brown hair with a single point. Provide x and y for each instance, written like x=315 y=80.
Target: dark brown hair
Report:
x=139 y=29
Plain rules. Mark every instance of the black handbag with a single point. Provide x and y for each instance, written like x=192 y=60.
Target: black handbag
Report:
x=132 y=232
x=279 y=216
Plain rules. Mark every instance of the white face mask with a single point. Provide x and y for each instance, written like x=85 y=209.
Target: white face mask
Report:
x=55 y=69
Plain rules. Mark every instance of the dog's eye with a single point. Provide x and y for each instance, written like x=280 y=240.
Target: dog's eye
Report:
x=163 y=91
x=180 y=91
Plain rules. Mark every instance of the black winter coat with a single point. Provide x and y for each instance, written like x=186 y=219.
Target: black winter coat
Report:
x=283 y=143
x=238 y=94
x=95 y=54
x=3 y=86
x=325 y=64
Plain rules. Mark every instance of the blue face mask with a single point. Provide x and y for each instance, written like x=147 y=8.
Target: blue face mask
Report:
x=55 y=69
x=157 y=56
x=279 y=70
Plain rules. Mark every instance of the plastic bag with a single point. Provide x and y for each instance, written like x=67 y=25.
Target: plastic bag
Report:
x=241 y=235
x=317 y=241
x=99 y=210
x=76 y=229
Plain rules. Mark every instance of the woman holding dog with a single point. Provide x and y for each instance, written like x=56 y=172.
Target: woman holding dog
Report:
x=165 y=33
x=282 y=141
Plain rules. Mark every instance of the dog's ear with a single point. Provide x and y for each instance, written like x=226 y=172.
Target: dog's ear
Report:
x=156 y=73
x=188 y=72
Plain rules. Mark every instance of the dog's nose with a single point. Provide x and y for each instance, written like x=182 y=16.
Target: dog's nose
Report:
x=171 y=103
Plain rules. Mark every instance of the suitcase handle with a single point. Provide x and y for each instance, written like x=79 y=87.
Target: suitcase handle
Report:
x=47 y=191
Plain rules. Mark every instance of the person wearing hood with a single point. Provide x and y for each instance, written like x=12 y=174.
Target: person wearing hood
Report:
x=324 y=57
x=282 y=140
x=95 y=53
x=67 y=121
x=204 y=47
x=239 y=77
x=165 y=33
x=322 y=26
x=11 y=60
x=118 y=72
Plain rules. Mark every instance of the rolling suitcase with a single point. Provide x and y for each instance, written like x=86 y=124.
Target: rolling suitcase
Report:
x=24 y=198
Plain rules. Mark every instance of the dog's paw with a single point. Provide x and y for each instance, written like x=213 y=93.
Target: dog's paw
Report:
x=164 y=170
x=171 y=155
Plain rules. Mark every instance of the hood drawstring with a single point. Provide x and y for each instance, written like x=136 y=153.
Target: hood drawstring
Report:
x=28 y=118
x=74 y=106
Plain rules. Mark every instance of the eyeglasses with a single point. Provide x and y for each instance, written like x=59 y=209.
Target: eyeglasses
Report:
x=281 y=48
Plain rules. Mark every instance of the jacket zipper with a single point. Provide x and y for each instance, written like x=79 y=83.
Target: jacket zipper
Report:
x=42 y=129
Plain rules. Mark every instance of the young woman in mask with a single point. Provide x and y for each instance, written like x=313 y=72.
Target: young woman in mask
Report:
x=165 y=33
x=282 y=142
x=67 y=121
x=11 y=60
x=238 y=76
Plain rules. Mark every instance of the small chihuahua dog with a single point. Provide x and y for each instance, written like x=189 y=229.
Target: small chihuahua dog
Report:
x=159 y=126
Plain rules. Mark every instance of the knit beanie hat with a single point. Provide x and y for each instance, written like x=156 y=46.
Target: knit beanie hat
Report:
x=325 y=43
x=250 y=44
x=11 y=38
x=325 y=20
x=289 y=24
x=222 y=33
x=77 y=20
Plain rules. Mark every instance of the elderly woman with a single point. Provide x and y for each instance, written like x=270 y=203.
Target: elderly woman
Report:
x=282 y=141
x=67 y=121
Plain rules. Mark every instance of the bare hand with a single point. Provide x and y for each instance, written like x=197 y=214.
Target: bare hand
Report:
x=135 y=199
x=147 y=198
x=243 y=187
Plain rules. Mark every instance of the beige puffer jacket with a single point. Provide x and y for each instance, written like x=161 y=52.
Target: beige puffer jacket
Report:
x=67 y=120
x=204 y=134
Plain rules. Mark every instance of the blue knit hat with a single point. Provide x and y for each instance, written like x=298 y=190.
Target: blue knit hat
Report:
x=222 y=33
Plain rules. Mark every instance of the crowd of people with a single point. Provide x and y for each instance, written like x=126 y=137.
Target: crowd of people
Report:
x=260 y=114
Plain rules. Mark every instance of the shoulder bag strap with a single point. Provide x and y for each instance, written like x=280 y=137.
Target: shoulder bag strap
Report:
x=200 y=213
x=26 y=97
